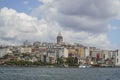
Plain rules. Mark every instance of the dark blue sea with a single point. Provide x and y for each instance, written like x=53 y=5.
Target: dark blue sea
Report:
x=41 y=73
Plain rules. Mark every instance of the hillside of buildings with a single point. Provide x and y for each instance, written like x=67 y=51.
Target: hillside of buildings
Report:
x=57 y=54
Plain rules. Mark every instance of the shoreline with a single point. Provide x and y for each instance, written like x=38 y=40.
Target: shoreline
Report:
x=40 y=66
x=34 y=66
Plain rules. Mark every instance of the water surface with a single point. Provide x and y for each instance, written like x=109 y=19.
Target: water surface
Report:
x=37 y=73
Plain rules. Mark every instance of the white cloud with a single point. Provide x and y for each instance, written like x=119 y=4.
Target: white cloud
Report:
x=18 y=27
x=81 y=21
x=80 y=15
x=87 y=39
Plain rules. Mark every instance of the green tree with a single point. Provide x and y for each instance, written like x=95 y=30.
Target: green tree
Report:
x=76 y=60
x=6 y=56
x=71 y=61
x=60 y=61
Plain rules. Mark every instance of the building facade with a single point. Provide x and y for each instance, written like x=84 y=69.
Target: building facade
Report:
x=2 y=52
x=117 y=58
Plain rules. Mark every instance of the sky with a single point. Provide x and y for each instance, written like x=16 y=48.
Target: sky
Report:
x=88 y=22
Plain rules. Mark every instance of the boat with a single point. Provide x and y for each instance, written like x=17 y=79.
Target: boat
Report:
x=84 y=66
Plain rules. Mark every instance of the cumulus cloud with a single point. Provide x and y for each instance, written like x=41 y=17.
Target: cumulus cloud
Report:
x=80 y=15
x=87 y=39
x=18 y=27
x=91 y=8
x=81 y=21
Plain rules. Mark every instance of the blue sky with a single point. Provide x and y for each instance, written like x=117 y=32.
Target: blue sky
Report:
x=113 y=34
x=25 y=6
x=83 y=20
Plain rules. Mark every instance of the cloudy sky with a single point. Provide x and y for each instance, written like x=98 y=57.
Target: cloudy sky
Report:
x=88 y=22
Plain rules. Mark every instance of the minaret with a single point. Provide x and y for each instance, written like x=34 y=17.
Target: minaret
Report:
x=59 y=38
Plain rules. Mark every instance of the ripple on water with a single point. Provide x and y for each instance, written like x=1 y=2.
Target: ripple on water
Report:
x=31 y=73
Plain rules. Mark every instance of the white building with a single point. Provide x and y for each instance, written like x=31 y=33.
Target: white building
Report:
x=97 y=53
x=9 y=50
x=111 y=54
x=2 y=52
x=63 y=52
x=57 y=52
x=52 y=52
x=117 y=58
x=87 y=51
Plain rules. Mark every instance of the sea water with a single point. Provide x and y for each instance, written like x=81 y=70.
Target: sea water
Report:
x=43 y=73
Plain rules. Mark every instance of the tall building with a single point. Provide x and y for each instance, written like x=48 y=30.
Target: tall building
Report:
x=59 y=39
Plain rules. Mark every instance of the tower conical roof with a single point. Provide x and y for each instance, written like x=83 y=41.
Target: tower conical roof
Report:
x=59 y=34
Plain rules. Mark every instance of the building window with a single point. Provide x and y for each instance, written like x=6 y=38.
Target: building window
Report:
x=90 y=53
x=117 y=60
x=117 y=52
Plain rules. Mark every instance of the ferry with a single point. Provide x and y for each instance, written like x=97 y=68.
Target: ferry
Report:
x=84 y=66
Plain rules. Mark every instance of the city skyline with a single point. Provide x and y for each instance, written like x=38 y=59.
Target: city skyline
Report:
x=88 y=22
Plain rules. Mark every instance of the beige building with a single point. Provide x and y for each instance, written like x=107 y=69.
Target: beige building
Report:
x=72 y=52
x=105 y=54
x=80 y=51
x=26 y=49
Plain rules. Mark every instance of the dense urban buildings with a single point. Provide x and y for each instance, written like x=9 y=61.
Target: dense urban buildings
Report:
x=59 y=53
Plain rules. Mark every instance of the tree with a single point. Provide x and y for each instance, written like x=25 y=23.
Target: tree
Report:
x=6 y=56
x=76 y=60
x=60 y=61
x=71 y=61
